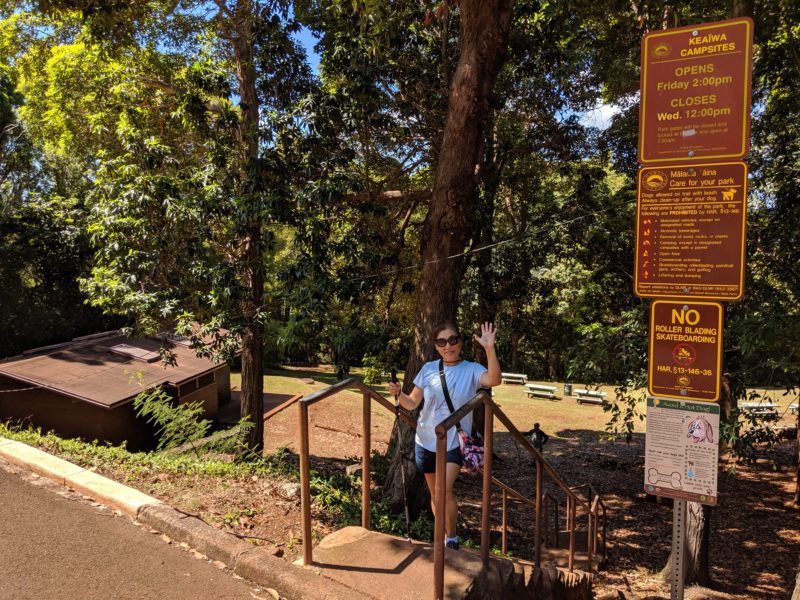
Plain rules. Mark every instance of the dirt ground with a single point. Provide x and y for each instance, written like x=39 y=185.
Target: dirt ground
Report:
x=755 y=535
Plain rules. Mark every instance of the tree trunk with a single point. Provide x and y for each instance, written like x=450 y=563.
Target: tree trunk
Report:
x=695 y=560
x=451 y=222
x=727 y=403
x=741 y=8
x=514 y=338
x=797 y=466
x=796 y=593
x=251 y=267
x=727 y=408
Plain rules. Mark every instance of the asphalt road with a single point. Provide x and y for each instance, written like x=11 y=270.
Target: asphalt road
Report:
x=55 y=545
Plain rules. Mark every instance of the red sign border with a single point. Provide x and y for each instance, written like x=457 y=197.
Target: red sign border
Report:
x=651 y=343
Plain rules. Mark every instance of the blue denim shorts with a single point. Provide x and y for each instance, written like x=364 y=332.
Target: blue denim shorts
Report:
x=426 y=460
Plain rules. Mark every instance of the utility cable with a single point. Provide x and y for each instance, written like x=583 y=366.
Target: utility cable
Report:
x=484 y=247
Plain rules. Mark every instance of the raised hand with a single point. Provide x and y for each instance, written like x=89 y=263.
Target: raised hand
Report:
x=488 y=334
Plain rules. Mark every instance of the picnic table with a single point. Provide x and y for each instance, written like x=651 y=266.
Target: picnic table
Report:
x=514 y=378
x=589 y=396
x=765 y=410
x=541 y=391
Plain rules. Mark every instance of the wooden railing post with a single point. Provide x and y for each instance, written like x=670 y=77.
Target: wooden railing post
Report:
x=571 y=535
x=439 y=517
x=589 y=535
x=556 y=526
x=537 y=536
x=505 y=501
x=366 y=477
x=569 y=513
x=305 y=484
x=486 y=502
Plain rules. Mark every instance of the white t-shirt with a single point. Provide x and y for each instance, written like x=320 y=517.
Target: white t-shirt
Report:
x=463 y=382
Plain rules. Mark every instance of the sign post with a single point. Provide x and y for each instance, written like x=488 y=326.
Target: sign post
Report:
x=694 y=119
x=678 y=543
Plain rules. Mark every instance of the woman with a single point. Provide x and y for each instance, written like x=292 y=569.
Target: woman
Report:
x=463 y=378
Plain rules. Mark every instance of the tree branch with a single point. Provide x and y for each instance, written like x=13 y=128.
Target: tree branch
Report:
x=390 y=196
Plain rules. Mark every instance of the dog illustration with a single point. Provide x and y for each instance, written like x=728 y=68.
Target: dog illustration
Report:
x=700 y=430
x=727 y=195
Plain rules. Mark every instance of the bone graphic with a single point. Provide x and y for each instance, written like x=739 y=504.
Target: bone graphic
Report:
x=674 y=480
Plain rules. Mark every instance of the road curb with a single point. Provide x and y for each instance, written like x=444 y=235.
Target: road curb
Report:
x=246 y=560
x=82 y=480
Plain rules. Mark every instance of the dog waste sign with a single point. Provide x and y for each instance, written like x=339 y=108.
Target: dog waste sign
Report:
x=690 y=231
x=695 y=86
x=682 y=450
x=685 y=350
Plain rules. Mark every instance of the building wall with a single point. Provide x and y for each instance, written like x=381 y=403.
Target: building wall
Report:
x=69 y=417
x=223 y=377
x=208 y=397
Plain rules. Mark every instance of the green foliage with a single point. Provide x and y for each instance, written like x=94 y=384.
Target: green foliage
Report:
x=627 y=407
x=133 y=464
x=232 y=518
x=175 y=424
x=747 y=435
x=226 y=441
x=123 y=165
x=373 y=370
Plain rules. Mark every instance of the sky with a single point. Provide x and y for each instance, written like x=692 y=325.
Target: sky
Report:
x=599 y=117
x=307 y=41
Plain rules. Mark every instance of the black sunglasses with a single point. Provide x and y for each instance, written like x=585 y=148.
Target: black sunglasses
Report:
x=452 y=340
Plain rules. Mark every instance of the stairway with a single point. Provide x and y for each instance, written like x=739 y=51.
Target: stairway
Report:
x=393 y=568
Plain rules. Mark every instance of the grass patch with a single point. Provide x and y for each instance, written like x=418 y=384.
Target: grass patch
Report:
x=336 y=495
x=98 y=456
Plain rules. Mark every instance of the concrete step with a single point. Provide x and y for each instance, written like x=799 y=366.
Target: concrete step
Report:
x=393 y=568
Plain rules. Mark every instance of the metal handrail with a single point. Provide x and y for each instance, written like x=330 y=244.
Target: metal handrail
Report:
x=482 y=397
x=599 y=504
x=281 y=407
x=554 y=502
x=573 y=500
x=512 y=492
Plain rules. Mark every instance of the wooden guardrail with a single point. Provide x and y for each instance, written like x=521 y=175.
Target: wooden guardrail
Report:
x=595 y=510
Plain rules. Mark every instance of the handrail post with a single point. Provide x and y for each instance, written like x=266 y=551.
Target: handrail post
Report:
x=589 y=535
x=439 y=517
x=366 y=476
x=569 y=513
x=305 y=484
x=505 y=502
x=486 y=502
x=545 y=517
x=556 y=525
x=571 y=535
x=537 y=536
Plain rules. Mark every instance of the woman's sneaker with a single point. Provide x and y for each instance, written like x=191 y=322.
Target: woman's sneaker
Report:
x=452 y=544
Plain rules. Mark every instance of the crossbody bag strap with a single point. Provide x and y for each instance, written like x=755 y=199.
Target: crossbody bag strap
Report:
x=447 y=393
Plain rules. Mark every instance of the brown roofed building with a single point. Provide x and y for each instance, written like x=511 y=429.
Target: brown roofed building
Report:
x=85 y=388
